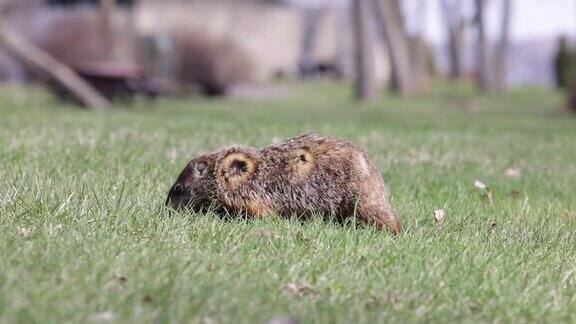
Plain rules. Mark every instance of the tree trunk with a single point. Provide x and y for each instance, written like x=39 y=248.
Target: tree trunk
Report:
x=456 y=51
x=501 y=66
x=455 y=28
x=392 y=31
x=419 y=57
x=483 y=71
x=342 y=25
x=42 y=62
x=571 y=104
x=363 y=51
x=310 y=19
x=571 y=93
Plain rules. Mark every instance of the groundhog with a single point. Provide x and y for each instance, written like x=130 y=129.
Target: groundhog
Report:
x=298 y=177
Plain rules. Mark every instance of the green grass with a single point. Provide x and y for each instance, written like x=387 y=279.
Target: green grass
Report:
x=84 y=236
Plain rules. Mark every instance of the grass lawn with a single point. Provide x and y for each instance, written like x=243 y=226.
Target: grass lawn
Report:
x=84 y=236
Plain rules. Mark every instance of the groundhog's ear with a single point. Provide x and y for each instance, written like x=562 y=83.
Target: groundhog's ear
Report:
x=200 y=168
x=235 y=168
x=301 y=165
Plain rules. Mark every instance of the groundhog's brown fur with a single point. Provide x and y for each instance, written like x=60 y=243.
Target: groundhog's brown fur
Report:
x=301 y=176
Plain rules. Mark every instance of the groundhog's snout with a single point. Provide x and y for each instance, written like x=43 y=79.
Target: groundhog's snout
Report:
x=176 y=195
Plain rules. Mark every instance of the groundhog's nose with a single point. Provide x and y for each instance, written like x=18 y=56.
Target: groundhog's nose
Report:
x=176 y=191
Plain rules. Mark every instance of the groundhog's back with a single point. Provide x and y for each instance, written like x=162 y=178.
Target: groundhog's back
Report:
x=313 y=174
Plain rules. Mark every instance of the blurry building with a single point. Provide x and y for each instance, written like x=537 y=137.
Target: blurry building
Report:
x=274 y=35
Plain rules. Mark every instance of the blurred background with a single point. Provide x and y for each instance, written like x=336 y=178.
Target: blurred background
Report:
x=94 y=52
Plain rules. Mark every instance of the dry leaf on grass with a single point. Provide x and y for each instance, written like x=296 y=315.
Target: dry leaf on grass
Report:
x=106 y=316
x=512 y=173
x=373 y=303
x=54 y=229
x=282 y=320
x=26 y=232
x=492 y=225
x=567 y=216
x=207 y=320
x=480 y=185
x=439 y=216
x=298 y=289
x=116 y=282
x=121 y=279
x=484 y=191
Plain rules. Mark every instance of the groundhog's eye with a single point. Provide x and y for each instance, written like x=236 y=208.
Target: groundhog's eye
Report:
x=201 y=167
x=302 y=157
x=238 y=166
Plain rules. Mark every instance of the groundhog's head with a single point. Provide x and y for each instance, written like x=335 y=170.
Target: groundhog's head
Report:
x=209 y=177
